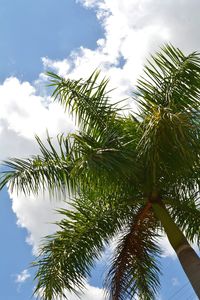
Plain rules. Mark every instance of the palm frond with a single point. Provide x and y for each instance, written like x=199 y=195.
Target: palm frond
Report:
x=169 y=98
x=67 y=257
x=48 y=171
x=87 y=100
x=170 y=144
x=172 y=80
x=98 y=160
x=134 y=269
x=113 y=157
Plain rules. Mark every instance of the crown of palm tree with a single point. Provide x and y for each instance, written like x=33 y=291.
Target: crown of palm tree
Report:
x=115 y=167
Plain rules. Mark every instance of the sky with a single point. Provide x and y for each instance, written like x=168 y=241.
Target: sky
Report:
x=73 y=38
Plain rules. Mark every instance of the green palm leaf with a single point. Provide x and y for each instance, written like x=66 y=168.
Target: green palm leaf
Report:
x=48 y=171
x=169 y=100
x=67 y=257
x=172 y=80
x=77 y=160
x=87 y=100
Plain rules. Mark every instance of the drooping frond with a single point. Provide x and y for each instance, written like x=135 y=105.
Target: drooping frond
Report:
x=48 y=171
x=134 y=269
x=67 y=256
x=76 y=162
x=87 y=100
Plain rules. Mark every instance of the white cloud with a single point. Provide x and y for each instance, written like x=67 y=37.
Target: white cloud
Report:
x=87 y=293
x=132 y=30
x=37 y=214
x=23 y=276
x=62 y=67
x=23 y=114
x=90 y=293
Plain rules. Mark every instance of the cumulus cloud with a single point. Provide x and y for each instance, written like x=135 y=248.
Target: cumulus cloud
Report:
x=37 y=214
x=90 y=293
x=175 y=20
x=132 y=30
x=24 y=113
x=23 y=276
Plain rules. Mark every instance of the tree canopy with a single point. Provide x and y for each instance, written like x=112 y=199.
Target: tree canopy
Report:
x=117 y=167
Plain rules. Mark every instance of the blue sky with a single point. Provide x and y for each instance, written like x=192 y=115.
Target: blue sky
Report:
x=30 y=30
x=72 y=38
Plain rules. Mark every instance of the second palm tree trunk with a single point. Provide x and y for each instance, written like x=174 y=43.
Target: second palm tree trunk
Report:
x=186 y=254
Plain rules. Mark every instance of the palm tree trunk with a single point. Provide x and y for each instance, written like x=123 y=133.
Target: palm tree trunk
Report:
x=186 y=254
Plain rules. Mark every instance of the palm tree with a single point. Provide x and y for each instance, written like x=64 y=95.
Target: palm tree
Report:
x=131 y=176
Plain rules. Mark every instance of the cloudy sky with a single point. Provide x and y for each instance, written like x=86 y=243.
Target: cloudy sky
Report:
x=72 y=38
